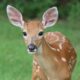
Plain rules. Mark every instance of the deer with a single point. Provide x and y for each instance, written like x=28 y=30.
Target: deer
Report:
x=54 y=57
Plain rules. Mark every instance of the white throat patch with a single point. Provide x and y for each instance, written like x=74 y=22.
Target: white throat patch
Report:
x=40 y=49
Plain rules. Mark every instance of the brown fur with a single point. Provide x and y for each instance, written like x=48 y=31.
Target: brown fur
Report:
x=54 y=56
x=58 y=58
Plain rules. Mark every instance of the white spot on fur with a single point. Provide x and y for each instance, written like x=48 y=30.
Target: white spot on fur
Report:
x=48 y=78
x=58 y=50
x=35 y=62
x=38 y=69
x=63 y=39
x=40 y=49
x=63 y=59
x=57 y=38
x=60 y=45
x=53 y=49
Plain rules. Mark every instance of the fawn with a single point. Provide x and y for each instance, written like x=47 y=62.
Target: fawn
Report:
x=54 y=56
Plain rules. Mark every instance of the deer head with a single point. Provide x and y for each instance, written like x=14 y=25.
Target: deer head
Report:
x=33 y=31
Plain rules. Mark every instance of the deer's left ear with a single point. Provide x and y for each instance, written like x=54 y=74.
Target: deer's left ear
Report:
x=50 y=17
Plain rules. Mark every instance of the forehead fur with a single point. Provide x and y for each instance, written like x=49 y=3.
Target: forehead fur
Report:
x=34 y=23
x=33 y=26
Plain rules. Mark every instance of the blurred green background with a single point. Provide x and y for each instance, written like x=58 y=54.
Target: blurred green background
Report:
x=15 y=63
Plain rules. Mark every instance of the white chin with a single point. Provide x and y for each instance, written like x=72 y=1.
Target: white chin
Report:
x=32 y=52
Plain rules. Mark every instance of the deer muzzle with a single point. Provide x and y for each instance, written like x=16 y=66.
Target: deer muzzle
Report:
x=32 y=48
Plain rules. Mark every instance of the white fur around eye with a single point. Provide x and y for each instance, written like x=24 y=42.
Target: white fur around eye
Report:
x=25 y=37
x=40 y=36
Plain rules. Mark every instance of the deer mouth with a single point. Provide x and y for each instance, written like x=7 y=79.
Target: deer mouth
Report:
x=32 y=52
x=32 y=48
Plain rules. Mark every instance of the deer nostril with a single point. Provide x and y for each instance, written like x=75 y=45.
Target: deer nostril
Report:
x=32 y=47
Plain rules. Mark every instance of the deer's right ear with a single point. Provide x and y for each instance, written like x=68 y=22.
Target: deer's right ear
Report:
x=15 y=16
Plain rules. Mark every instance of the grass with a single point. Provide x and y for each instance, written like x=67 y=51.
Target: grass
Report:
x=15 y=63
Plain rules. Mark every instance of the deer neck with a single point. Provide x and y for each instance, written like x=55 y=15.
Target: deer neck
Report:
x=46 y=52
x=45 y=59
x=45 y=49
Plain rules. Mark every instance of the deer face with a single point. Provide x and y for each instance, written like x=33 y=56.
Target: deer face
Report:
x=32 y=30
x=33 y=34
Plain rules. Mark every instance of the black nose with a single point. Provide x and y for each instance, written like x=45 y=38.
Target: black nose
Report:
x=32 y=47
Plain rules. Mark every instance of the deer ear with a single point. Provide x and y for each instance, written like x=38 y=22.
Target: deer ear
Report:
x=15 y=16
x=50 y=17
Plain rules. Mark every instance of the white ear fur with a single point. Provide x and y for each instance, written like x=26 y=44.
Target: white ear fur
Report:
x=14 y=16
x=50 y=17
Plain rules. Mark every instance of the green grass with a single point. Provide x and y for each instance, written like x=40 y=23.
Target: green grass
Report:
x=15 y=63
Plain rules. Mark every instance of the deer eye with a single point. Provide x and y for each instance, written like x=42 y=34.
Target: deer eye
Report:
x=41 y=33
x=24 y=33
